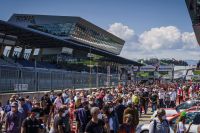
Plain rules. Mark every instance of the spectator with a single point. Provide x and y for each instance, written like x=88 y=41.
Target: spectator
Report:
x=58 y=103
x=23 y=108
x=111 y=118
x=8 y=106
x=127 y=125
x=31 y=124
x=83 y=117
x=95 y=125
x=160 y=124
x=58 y=124
x=154 y=99
x=13 y=119
x=47 y=107
x=39 y=113
x=28 y=103
x=167 y=100
x=66 y=120
x=120 y=110
x=161 y=96
x=134 y=114
x=180 y=124
x=173 y=99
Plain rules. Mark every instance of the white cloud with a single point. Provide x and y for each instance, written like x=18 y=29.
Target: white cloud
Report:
x=189 y=40
x=159 y=38
x=121 y=31
x=159 y=42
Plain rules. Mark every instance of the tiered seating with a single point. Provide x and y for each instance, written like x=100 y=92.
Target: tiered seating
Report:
x=27 y=63
x=3 y=62
x=47 y=65
x=11 y=61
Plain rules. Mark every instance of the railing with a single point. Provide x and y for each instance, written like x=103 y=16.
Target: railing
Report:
x=16 y=79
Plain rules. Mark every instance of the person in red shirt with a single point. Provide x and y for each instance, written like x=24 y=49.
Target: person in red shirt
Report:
x=180 y=95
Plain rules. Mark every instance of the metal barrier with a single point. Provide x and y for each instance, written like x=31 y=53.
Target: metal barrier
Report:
x=17 y=79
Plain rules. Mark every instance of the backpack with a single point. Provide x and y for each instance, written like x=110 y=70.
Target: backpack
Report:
x=155 y=124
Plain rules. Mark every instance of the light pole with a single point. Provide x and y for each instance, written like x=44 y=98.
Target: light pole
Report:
x=35 y=83
x=97 y=78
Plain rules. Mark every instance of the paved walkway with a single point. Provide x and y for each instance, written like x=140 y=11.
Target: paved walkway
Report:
x=145 y=118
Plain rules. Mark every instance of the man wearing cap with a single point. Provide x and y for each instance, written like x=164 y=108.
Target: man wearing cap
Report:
x=31 y=124
x=13 y=119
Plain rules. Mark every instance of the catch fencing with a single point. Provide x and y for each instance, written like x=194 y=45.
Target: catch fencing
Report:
x=17 y=79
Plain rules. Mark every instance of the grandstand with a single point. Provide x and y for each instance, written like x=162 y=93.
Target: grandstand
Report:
x=42 y=52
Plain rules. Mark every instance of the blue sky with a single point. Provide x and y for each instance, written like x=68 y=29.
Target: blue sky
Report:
x=144 y=22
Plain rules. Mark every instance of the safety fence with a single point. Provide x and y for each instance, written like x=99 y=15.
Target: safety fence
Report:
x=17 y=79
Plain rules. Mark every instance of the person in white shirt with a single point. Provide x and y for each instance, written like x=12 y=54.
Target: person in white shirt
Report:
x=173 y=98
x=161 y=96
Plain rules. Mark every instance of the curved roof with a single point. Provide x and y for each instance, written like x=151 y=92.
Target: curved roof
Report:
x=32 y=38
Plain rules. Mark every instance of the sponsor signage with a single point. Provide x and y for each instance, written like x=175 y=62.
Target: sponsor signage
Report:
x=20 y=87
x=147 y=68
x=135 y=68
x=165 y=68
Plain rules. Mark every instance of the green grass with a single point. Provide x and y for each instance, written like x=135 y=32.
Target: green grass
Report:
x=196 y=72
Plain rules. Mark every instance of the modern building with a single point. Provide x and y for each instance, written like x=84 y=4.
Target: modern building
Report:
x=43 y=52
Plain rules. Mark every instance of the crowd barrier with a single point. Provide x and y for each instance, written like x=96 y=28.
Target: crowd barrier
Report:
x=20 y=79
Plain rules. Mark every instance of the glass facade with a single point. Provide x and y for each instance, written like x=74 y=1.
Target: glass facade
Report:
x=61 y=30
x=95 y=39
x=194 y=10
x=81 y=33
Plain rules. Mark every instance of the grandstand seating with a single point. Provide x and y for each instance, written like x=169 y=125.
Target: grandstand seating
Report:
x=2 y=62
x=27 y=63
x=5 y=61
x=11 y=62
x=47 y=65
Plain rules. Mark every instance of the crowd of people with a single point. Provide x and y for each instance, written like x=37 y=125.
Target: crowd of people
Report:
x=104 y=110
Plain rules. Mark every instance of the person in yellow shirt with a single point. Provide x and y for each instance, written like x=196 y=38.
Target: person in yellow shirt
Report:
x=136 y=100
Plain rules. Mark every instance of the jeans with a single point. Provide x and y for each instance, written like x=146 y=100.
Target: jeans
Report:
x=145 y=106
x=172 y=104
x=167 y=104
x=161 y=105
x=154 y=107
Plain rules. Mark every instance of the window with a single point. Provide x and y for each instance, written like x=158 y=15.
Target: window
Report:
x=56 y=29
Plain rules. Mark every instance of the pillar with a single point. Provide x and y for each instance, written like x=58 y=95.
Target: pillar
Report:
x=11 y=51
x=2 y=48
x=22 y=52
x=40 y=54
x=32 y=53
